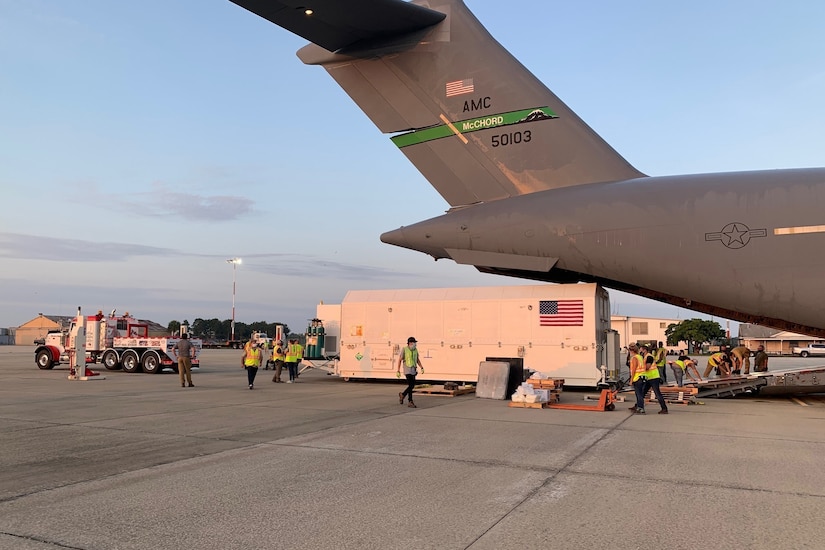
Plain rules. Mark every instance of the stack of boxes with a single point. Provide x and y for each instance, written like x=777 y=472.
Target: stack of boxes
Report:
x=548 y=389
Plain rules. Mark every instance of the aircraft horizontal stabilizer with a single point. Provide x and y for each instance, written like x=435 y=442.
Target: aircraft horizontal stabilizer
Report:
x=333 y=24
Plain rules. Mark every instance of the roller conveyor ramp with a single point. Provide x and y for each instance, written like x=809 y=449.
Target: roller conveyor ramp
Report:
x=789 y=382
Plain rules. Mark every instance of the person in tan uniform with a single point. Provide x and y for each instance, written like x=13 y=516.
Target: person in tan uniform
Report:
x=741 y=359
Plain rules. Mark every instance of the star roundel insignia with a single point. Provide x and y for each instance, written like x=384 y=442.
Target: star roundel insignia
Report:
x=735 y=235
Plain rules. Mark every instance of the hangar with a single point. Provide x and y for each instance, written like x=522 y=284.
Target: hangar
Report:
x=28 y=332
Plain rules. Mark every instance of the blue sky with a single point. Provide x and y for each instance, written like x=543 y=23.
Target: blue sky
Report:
x=144 y=143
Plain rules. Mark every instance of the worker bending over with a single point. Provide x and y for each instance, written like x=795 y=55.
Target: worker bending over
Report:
x=720 y=361
x=683 y=366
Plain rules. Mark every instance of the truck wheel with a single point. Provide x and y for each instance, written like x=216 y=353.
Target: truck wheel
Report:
x=130 y=361
x=110 y=360
x=44 y=359
x=150 y=362
x=804 y=354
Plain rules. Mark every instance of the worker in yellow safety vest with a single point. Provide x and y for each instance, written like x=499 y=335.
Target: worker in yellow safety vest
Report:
x=278 y=359
x=251 y=360
x=411 y=361
x=294 y=352
x=645 y=376
x=660 y=356
x=683 y=366
x=718 y=360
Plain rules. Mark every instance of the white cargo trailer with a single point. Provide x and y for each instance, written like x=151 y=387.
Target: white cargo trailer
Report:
x=560 y=330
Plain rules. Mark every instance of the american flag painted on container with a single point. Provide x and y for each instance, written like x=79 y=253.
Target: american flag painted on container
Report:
x=561 y=313
x=460 y=87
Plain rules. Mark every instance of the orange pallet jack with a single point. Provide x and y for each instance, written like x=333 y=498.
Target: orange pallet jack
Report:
x=606 y=403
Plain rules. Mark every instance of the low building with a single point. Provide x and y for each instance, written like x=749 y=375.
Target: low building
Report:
x=644 y=329
x=776 y=342
x=39 y=327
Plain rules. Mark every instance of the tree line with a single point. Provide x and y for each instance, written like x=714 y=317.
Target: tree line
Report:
x=695 y=332
x=215 y=329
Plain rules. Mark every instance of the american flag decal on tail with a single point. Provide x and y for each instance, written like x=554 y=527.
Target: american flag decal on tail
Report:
x=561 y=313
x=460 y=87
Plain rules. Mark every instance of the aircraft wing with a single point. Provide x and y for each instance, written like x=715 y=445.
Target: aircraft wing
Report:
x=336 y=24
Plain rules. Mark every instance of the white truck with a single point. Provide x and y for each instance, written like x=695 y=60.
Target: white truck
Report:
x=262 y=339
x=560 y=330
x=810 y=349
x=116 y=341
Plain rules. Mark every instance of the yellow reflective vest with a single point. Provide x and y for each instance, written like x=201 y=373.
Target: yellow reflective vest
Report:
x=294 y=352
x=640 y=365
x=661 y=357
x=650 y=374
x=253 y=357
x=410 y=357
x=653 y=372
x=716 y=359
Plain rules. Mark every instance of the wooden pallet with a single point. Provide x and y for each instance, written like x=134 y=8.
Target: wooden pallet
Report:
x=439 y=390
x=687 y=390
x=674 y=395
x=528 y=405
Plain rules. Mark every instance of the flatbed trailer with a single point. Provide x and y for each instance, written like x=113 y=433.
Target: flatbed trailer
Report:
x=225 y=344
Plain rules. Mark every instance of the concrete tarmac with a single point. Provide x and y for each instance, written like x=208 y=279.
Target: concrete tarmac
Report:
x=137 y=462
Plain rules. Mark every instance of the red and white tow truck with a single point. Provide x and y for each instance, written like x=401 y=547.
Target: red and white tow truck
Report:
x=117 y=341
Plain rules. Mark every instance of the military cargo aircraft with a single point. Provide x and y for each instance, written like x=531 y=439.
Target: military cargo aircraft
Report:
x=535 y=193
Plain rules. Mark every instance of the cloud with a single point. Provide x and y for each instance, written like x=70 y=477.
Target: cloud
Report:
x=33 y=247
x=163 y=202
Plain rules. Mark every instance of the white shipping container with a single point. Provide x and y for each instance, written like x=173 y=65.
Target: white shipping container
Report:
x=560 y=330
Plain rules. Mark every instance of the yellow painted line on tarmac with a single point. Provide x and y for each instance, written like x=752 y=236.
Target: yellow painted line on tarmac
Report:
x=800 y=402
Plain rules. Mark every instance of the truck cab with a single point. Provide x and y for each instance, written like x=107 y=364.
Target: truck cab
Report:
x=262 y=339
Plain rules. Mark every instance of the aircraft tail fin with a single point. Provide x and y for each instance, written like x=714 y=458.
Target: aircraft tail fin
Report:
x=477 y=124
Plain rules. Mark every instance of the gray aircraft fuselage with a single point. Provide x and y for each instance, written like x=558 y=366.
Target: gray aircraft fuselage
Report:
x=741 y=245
x=535 y=193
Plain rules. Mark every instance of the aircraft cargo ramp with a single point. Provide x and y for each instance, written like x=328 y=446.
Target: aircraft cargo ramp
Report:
x=789 y=382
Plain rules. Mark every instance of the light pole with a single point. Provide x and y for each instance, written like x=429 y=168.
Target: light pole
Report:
x=234 y=262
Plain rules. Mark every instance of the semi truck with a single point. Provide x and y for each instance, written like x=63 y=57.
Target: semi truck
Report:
x=117 y=341
x=562 y=331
